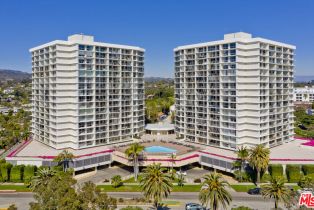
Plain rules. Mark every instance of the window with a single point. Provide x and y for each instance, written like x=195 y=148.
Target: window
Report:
x=225 y=46
x=233 y=45
x=81 y=47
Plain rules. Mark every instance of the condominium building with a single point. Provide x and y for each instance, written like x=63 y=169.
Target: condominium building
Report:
x=86 y=93
x=236 y=91
x=304 y=94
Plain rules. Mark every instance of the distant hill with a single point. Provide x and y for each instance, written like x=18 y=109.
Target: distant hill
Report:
x=6 y=75
x=157 y=79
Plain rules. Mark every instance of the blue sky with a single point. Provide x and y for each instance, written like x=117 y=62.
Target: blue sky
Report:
x=158 y=26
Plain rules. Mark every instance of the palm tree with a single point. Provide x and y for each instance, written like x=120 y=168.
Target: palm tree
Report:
x=259 y=159
x=64 y=158
x=214 y=191
x=277 y=190
x=242 y=154
x=133 y=153
x=173 y=157
x=42 y=177
x=156 y=183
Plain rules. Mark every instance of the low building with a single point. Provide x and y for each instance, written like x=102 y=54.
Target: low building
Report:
x=159 y=129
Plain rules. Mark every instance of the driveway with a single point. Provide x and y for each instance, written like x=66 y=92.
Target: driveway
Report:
x=100 y=175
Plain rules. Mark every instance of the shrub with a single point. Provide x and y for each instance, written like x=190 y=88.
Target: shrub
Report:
x=275 y=170
x=244 y=176
x=266 y=177
x=5 y=171
x=16 y=174
x=29 y=172
x=308 y=169
x=293 y=173
x=116 y=181
x=121 y=200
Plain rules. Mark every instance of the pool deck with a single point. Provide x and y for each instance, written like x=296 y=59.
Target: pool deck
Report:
x=288 y=153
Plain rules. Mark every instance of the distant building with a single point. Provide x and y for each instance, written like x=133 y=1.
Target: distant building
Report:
x=236 y=91
x=304 y=94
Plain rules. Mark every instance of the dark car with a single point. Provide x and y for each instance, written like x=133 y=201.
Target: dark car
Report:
x=254 y=191
x=194 y=206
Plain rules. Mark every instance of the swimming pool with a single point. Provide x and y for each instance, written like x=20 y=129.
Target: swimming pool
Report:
x=159 y=149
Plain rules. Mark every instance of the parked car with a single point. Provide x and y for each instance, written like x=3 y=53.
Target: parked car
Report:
x=254 y=191
x=194 y=206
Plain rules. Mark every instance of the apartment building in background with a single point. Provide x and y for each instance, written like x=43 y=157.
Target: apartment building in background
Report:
x=86 y=93
x=236 y=91
x=304 y=94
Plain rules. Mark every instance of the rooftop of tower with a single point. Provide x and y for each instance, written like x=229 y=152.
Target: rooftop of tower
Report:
x=235 y=37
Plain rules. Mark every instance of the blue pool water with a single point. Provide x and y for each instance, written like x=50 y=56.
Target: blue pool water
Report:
x=159 y=149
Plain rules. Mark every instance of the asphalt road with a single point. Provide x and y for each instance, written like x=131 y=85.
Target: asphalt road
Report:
x=22 y=200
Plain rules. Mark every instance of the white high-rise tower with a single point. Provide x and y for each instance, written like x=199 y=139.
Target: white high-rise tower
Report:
x=87 y=93
x=236 y=91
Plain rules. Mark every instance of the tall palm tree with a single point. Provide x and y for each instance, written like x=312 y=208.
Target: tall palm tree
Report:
x=173 y=158
x=276 y=190
x=242 y=154
x=42 y=177
x=214 y=191
x=133 y=153
x=64 y=158
x=259 y=159
x=156 y=183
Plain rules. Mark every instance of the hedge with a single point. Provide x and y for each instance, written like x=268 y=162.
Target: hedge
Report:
x=16 y=174
x=275 y=170
x=308 y=169
x=5 y=171
x=293 y=173
x=29 y=172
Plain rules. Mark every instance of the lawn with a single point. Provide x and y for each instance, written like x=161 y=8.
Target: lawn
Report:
x=18 y=188
x=136 y=188
x=242 y=188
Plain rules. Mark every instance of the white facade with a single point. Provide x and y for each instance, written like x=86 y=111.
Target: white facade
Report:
x=86 y=93
x=236 y=91
x=304 y=94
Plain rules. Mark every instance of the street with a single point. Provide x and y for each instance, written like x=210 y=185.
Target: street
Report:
x=22 y=200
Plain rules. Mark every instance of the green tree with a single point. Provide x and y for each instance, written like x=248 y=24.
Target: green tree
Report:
x=58 y=193
x=259 y=159
x=306 y=182
x=64 y=158
x=116 y=181
x=91 y=198
x=181 y=180
x=276 y=190
x=43 y=176
x=156 y=183
x=242 y=154
x=214 y=191
x=133 y=153
x=12 y=207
